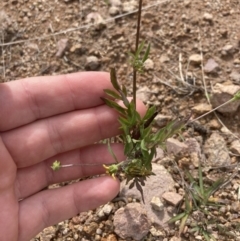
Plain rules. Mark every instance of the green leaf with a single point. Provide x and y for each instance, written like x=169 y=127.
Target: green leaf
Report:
x=131 y=54
x=131 y=113
x=200 y=178
x=124 y=126
x=114 y=105
x=177 y=217
x=206 y=235
x=189 y=176
x=188 y=204
x=236 y=96
x=128 y=146
x=124 y=98
x=149 y=121
x=123 y=121
x=143 y=146
x=169 y=130
x=138 y=117
x=140 y=48
x=182 y=224
x=195 y=229
x=113 y=94
x=113 y=77
x=146 y=132
x=145 y=57
x=124 y=90
x=214 y=187
x=150 y=111
x=147 y=160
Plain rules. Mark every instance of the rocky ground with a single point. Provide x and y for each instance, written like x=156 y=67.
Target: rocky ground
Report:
x=194 y=65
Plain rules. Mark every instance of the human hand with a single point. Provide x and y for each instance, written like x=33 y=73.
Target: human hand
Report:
x=44 y=119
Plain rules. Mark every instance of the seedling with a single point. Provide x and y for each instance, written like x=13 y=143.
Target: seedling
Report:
x=140 y=142
x=198 y=198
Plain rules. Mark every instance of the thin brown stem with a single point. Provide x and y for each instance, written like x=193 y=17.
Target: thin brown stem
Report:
x=136 y=48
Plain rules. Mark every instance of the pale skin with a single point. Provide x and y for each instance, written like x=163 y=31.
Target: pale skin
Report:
x=44 y=119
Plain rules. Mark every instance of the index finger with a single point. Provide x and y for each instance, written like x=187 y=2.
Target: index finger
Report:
x=27 y=100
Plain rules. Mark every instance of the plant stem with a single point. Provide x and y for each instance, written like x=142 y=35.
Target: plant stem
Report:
x=136 y=48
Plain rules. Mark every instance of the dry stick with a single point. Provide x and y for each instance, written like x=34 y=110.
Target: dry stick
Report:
x=167 y=84
x=180 y=68
x=136 y=49
x=213 y=110
x=81 y=27
x=203 y=76
x=184 y=83
x=52 y=31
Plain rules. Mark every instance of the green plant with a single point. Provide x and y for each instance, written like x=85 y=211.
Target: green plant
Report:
x=140 y=142
x=198 y=198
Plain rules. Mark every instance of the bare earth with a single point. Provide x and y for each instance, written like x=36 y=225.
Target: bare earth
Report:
x=39 y=37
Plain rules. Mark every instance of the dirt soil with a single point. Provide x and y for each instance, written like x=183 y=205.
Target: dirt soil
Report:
x=39 y=37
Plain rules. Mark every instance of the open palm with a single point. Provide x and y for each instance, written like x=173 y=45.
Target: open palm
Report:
x=45 y=119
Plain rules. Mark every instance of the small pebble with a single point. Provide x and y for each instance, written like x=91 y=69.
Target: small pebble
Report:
x=75 y=236
x=208 y=17
x=157 y=204
x=195 y=59
x=65 y=231
x=92 y=63
x=99 y=231
x=148 y=64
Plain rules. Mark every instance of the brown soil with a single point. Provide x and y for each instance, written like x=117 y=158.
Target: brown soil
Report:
x=31 y=29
